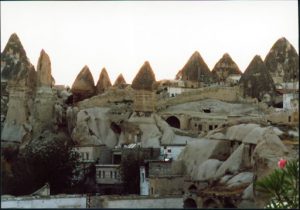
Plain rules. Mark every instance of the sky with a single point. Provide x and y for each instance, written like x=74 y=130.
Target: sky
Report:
x=122 y=35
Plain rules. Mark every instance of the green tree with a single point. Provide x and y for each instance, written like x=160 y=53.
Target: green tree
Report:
x=282 y=186
x=49 y=158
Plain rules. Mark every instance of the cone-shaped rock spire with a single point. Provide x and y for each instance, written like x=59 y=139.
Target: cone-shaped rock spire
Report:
x=83 y=86
x=283 y=62
x=196 y=70
x=256 y=80
x=145 y=78
x=224 y=68
x=44 y=77
x=15 y=66
x=103 y=82
x=120 y=81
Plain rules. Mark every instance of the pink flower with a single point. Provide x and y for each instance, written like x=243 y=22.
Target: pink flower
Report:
x=282 y=163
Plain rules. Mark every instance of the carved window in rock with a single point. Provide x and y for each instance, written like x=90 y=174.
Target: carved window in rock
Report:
x=99 y=174
x=111 y=174
x=193 y=189
x=87 y=156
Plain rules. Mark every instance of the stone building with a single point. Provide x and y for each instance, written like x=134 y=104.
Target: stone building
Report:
x=108 y=174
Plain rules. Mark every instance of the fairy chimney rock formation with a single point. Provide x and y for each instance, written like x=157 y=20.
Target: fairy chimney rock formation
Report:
x=195 y=70
x=16 y=68
x=20 y=76
x=283 y=62
x=256 y=81
x=83 y=86
x=145 y=78
x=120 y=81
x=224 y=68
x=103 y=82
x=44 y=77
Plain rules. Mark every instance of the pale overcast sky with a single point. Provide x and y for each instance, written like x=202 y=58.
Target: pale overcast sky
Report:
x=122 y=35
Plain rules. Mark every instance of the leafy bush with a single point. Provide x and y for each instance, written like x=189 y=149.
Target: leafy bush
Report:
x=49 y=158
x=282 y=186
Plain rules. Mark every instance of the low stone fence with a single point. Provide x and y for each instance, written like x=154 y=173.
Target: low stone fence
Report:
x=55 y=201
x=135 y=201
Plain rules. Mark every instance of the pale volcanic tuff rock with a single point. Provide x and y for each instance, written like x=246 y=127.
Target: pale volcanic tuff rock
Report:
x=15 y=66
x=224 y=68
x=145 y=78
x=195 y=70
x=256 y=81
x=120 y=81
x=44 y=77
x=103 y=82
x=20 y=76
x=283 y=62
x=83 y=86
x=93 y=128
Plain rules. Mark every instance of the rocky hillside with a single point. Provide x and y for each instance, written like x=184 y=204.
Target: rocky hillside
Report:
x=256 y=81
x=145 y=78
x=103 y=82
x=283 y=62
x=224 y=68
x=195 y=70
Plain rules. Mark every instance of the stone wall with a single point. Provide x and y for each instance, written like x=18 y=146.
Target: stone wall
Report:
x=284 y=117
x=229 y=94
x=136 y=202
x=159 y=168
x=144 y=101
x=167 y=185
x=58 y=201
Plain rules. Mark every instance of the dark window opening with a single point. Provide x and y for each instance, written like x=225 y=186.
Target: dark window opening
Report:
x=206 y=110
x=210 y=127
x=200 y=127
x=173 y=122
x=290 y=118
x=117 y=129
x=192 y=189
x=117 y=159
x=189 y=204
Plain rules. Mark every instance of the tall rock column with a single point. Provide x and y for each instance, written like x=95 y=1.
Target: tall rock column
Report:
x=20 y=76
x=44 y=96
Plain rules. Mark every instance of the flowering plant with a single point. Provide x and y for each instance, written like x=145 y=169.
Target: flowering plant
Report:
x=282 y=185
